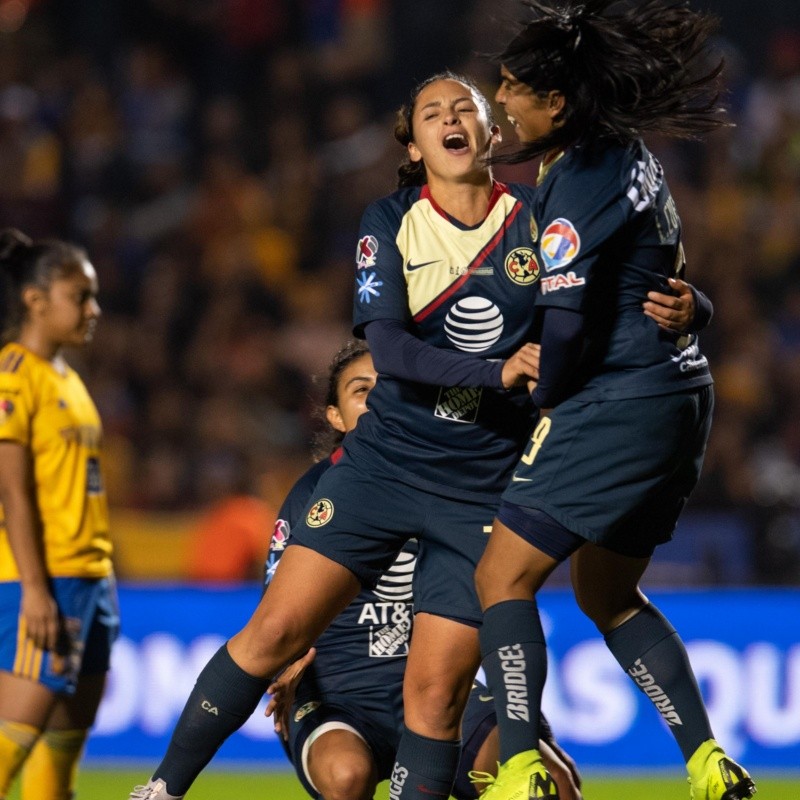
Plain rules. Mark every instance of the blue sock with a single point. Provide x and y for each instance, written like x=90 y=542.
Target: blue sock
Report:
x=424 y=768
x=222 y=700
x=651 y=652
x=515 y=661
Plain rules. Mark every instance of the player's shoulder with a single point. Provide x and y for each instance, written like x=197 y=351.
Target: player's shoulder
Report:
x=304 y=485
x=521 y=191
x=18 y=365
x=393 y=207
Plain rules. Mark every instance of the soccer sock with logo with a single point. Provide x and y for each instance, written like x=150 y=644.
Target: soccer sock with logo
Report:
x=222 y=700
x=515 y=661
x=651 y=652
x=424 y=768
x=51 y=769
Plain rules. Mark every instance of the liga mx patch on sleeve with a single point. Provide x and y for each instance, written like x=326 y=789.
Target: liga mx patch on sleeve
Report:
x=6 y=409
x=366 y=252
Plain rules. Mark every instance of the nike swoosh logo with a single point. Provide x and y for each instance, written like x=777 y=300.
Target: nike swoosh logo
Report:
x=411 y=267
x=485 y=698
x=515 y=478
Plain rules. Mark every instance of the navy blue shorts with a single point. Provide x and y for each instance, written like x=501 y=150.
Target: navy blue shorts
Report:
x=619 y=472
x=376 y=719
x=90 y=625
x=361 y=519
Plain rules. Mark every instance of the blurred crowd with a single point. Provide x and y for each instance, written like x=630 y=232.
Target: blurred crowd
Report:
x=214 y=158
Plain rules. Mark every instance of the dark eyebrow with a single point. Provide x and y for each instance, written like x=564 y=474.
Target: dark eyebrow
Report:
x=356 y=378
x=438 y=103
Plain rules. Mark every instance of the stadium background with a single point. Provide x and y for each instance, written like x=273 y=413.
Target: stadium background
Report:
x=214 y=157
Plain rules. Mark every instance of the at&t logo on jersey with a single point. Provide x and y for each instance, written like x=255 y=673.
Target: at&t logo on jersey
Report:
x=554 y=283
x=389 y=617
x=560 y=244
x=522 y=266
x=321 y=513
x=474 y=324
x=366 y=252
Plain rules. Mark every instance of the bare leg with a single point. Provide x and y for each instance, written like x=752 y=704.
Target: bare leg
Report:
x=341 y=766
x=442 y=663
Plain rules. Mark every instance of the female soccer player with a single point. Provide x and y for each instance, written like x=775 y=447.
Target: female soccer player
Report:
x=626 y=406
x=445 y=278
x=58 y=611
x=339 y=709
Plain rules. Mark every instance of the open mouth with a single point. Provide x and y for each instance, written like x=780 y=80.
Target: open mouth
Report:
x=456 y=143
x=512 y=121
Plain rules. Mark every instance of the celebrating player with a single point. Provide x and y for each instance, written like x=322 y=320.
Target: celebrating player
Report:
x=339 y=709
x=609 y=468
x=445 y=278
x=58 y=614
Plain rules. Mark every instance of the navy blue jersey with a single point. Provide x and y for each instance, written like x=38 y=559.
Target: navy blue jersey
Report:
x=465 y=289
x=372 y=633
x=608 y=233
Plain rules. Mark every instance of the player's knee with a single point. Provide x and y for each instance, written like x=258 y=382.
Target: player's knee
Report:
x=273 y=637
x=434 y=709
x=347 y=779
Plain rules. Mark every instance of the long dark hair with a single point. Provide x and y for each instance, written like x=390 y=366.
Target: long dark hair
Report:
x=625 y=68
x=412 y=173
x=328 y=438
x=25 y=263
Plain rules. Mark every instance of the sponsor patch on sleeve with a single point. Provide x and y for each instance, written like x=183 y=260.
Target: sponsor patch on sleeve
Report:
x=560 y=244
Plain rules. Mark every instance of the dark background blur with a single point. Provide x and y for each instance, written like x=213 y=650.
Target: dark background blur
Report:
x=214 y=157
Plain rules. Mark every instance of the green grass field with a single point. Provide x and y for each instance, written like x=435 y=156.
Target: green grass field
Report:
x=97 y=784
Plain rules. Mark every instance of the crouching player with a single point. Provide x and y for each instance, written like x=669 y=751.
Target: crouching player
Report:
x=339 y=709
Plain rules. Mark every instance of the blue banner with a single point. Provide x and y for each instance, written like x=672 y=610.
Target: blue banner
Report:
x=744 y=646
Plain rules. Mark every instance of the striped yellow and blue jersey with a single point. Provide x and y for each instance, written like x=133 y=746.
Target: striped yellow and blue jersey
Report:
x=52 y=414
x=469 y=289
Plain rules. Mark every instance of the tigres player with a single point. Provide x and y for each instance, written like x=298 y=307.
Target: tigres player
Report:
x=58 y=611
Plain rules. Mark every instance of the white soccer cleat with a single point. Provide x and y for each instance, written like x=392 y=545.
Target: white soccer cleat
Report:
x=155 y=790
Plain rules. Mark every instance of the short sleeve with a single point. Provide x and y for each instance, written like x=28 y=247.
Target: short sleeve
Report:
x=15 y=408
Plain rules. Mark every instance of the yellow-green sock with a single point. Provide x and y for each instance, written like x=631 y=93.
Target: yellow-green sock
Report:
x=16 y=741
x=52 y=767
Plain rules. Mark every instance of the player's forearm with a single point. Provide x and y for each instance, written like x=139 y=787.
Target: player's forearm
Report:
x=562 y=344
x=397 y=352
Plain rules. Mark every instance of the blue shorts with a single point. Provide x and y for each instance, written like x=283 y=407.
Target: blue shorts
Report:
x=361 y=519
x=377 y=719
x=619 y=472
x=89 y=626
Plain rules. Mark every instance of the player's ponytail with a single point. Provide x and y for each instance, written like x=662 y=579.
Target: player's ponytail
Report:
x=624 y=67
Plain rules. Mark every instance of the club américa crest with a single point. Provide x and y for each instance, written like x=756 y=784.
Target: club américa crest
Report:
x=320 y=514
x=522 y=266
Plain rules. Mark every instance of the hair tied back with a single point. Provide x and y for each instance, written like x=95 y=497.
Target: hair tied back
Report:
x=12 y=242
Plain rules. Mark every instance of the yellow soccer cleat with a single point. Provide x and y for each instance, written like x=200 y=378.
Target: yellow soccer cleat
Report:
x=522 y=777
x=714 y=776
